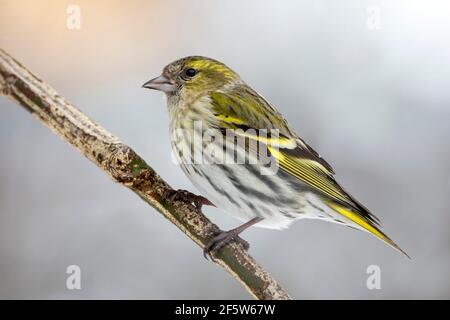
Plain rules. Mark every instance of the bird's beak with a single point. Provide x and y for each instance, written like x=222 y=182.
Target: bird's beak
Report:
x=161 y=83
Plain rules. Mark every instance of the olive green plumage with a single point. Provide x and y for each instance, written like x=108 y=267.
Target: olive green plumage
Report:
x=205 y=90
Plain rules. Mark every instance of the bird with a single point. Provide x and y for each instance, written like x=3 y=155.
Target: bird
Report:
x=243 y=156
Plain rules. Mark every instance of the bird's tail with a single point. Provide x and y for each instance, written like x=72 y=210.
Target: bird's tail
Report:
x=365 y=224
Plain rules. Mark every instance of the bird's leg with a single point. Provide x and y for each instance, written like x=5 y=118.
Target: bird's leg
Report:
x=225 y=237
x=186 y=196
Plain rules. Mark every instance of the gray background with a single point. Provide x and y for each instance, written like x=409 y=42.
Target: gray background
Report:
x=374 y=103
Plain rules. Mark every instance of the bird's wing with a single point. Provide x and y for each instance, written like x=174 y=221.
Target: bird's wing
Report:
x=243 y=108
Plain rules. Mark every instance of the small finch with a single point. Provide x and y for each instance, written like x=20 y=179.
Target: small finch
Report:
x=241 y=154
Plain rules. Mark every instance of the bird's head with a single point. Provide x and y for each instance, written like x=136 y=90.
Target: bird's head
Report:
x=192 y=77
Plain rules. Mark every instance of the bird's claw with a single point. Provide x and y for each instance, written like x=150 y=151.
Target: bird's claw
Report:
x=221 y=240
x=186 y=196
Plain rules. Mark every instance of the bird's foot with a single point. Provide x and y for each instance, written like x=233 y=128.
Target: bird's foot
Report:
x=222 y=239
x=186 y=196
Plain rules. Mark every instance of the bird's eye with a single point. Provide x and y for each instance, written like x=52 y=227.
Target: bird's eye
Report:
x=189 y=73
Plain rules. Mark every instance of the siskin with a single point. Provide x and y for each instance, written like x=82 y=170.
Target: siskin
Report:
x=279 y=177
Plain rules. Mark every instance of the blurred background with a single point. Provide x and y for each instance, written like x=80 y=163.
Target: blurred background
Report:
x=366 y=83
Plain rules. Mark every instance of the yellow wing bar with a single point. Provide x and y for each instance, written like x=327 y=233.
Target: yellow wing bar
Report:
x=310 y=172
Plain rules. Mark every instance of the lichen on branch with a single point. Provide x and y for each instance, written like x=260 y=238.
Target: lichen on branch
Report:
x=126 y=167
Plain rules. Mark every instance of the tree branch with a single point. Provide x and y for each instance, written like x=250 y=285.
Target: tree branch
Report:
x=123 y=165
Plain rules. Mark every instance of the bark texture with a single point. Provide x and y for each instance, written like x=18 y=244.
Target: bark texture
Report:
x=126 y=167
